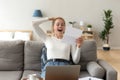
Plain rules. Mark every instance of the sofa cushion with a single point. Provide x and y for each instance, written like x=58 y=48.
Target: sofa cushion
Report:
x=88 y=51
x=11 y=55
x=10 y=75
x=32 y=51
x=95 y=69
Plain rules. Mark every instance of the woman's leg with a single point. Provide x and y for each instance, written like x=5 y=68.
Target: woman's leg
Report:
x=50 y=63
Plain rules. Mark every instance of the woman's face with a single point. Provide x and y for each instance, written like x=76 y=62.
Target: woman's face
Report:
x=59 y=26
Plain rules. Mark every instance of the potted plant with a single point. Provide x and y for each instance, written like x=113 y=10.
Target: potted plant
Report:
x=108 y=25
x=72 y=23
x=89 y=27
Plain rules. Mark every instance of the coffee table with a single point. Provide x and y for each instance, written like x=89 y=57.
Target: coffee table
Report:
x=89 y=78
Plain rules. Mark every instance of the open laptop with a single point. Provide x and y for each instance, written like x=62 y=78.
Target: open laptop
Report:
x=67 y=72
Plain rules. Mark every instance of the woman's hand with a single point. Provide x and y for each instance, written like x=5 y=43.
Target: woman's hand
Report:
x=79 y=41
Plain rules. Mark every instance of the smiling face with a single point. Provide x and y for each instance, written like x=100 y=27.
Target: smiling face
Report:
x=59 y=26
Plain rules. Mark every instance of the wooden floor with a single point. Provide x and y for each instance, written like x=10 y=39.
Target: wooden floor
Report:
x=112 y=57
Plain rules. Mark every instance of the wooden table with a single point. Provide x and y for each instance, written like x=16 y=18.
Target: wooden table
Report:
x=88 y=35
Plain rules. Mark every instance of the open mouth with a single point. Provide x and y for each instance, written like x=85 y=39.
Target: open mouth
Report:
x=60 y=30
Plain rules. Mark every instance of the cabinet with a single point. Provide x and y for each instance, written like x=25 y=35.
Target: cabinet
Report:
x=88 y=35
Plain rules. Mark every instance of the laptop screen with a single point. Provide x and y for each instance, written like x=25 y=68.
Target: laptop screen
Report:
x=67 y=72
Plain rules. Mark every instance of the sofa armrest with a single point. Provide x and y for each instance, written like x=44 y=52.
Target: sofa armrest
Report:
x=111 y=74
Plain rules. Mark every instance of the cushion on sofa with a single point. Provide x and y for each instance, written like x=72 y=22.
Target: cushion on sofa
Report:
x=88 y=49
x=10 y=75
x=25 y=36
x=95 y=69
x=32 y=51
x=5 y=36
x=88 y=53
x=11 y=55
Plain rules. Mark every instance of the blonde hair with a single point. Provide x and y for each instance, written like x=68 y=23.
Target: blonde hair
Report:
x=54 y=23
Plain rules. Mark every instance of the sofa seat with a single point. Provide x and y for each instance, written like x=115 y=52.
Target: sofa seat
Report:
x=10 y=75
x=84 y=74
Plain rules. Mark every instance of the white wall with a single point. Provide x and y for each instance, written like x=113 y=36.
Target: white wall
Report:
x=17 y=14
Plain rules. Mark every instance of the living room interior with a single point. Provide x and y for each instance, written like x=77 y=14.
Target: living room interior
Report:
x=18 y=15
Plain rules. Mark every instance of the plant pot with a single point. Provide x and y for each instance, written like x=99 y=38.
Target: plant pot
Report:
x=106 y=47
x=89 y=29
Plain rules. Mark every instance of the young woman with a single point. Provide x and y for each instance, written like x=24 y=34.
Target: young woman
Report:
x=58 y=52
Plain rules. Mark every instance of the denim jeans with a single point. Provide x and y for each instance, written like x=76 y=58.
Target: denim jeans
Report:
x=52 y=63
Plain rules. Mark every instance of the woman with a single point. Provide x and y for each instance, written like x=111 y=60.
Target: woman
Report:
x=58 y=52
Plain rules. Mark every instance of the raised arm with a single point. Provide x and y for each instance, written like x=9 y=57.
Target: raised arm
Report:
x=38 y=30
x=75 y=52
x=76 y=49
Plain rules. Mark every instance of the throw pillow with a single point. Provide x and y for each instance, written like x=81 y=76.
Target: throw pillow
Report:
x=25 y=36
x=6 y=35
x=95 y=69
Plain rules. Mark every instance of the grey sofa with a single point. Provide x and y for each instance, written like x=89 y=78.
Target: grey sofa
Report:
x=20 y=58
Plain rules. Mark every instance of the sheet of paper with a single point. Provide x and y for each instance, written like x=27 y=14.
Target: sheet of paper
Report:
x=71 y=34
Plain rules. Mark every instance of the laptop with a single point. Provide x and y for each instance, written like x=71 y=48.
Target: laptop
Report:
x=67 y=72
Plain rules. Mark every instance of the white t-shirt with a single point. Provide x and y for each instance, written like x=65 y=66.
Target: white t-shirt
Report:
x=57 y=49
